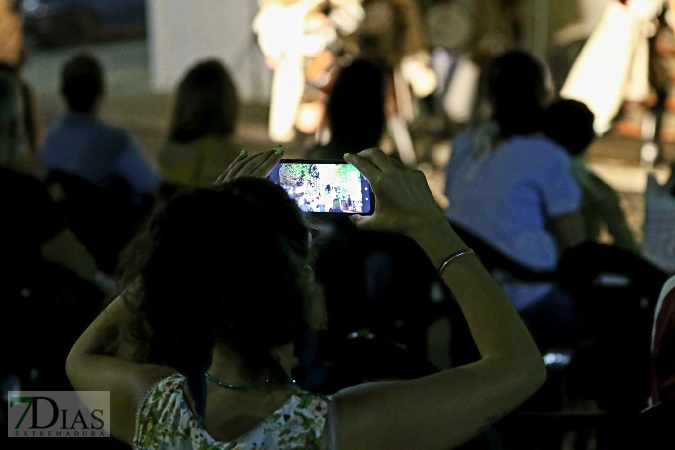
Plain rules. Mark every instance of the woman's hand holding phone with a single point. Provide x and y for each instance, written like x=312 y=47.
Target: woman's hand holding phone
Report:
x=405 y=203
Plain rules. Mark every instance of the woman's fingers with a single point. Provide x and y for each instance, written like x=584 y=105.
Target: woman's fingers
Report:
x=257 y=165
x=264 y=169
x=245 y=166
x=223 y=176
x=379 y=159
x=363 y=164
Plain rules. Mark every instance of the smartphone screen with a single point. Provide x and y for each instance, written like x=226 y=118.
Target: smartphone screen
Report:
x=325 y=186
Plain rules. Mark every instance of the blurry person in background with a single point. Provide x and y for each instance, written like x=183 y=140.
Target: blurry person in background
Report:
x=292 y=34
x=393 y=35
x=11 y=33
x=98 y=172
x=569 y=123
x=80 y=144
x=512 y=187
x=355 y=111
x=48 y=276
x=12 y=58
x=33 y=228
x=619 y=63
x=203 y=126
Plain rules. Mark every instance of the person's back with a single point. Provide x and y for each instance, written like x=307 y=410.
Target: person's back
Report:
x=512 y=187
x=79 y=143
x=501 y=199
x=570 y=124
x=505 y=181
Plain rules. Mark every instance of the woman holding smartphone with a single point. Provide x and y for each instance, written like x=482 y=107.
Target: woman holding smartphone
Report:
x=198 y=350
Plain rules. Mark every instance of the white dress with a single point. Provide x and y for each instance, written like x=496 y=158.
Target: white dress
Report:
x=613 y=65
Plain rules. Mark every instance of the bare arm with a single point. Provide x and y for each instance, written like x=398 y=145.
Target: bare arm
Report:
x=91 y=367
x=65 y=249
x=446 y=409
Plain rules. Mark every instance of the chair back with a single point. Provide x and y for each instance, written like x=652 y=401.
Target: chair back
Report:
x=617 y=292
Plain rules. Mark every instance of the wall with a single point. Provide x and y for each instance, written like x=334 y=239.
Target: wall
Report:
x=182 y=32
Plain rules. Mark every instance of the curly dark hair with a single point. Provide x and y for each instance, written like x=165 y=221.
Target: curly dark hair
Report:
x=227 y=263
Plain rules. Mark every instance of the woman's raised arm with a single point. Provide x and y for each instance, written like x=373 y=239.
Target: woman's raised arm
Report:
x=451 y=407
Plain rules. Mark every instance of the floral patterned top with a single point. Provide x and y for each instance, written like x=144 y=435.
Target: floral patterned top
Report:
x=165 y=421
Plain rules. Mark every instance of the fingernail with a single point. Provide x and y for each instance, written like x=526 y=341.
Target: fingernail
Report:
x=278 y=149
x=243 y=151
x=346 y=155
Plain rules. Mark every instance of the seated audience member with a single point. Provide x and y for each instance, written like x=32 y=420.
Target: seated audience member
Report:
x=203 y=126
x=44 y=267
x=570 y=124
x=512 y=187
x=355 y=111
x=215 y=371
x=80 y=144
x=30 y=213
x=107 y=185
x=389 y=274
x=663 y=346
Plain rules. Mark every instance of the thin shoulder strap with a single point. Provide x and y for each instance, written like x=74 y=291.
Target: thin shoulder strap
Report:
x=331 y=425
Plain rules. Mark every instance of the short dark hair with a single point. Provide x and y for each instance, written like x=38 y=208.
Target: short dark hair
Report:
x=356 y=106
x=82 y=82
x=516 y=89
x=569 y=123
x=207 y=102
x=226 y=263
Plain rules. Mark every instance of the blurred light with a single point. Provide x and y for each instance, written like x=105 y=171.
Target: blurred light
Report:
x=557 y=359
x=34 y=7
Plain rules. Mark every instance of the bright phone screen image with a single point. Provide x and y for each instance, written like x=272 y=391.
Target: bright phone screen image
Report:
x=325 y=186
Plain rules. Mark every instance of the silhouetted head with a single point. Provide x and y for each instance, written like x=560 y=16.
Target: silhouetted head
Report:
x=516 y=89
x=356 y=106
x=82 y=83
x=206 y=103
x=569 y=123
x=228 y=263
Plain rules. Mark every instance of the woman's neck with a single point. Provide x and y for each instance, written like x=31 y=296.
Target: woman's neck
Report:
x=228 y=365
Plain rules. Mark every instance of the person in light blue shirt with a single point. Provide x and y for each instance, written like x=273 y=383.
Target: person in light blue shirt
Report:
x=512 y=187
x=80 y=144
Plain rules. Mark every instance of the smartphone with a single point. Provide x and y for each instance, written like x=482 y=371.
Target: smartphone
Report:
x=325 y=186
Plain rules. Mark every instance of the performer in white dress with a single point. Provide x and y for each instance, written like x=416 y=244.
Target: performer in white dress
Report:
x=613 y=66
x=289 y=32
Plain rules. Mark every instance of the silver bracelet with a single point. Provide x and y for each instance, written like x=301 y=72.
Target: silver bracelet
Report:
x=454 y=256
